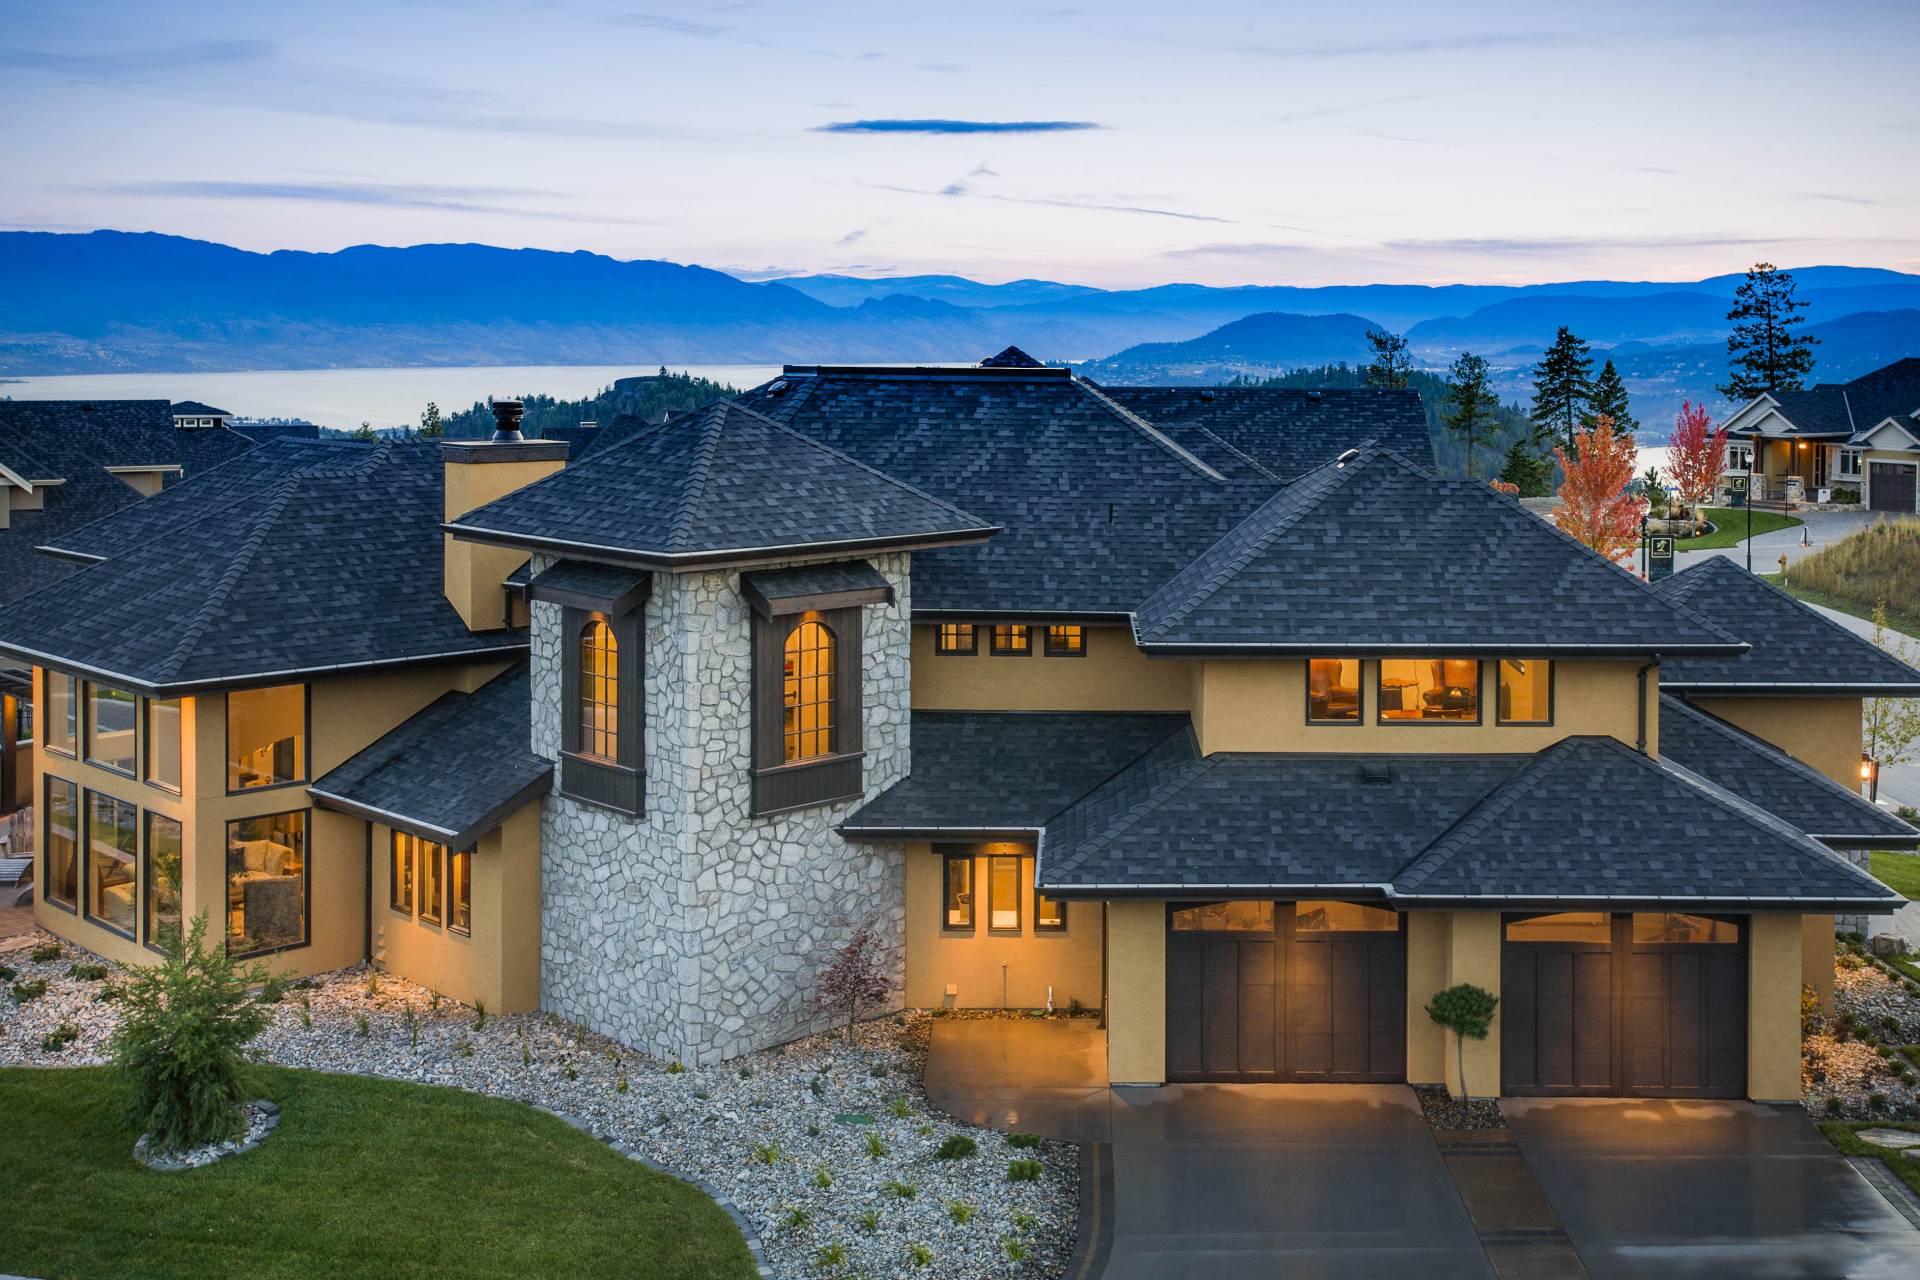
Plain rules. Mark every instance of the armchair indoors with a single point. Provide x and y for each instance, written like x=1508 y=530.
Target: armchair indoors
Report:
x=1456 y=691
x=1327 y=698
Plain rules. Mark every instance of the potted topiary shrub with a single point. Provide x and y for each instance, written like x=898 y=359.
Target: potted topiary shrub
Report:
x=1467 y=1011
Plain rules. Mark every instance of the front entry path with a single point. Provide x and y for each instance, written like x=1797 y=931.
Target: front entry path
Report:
x=1658 y=1187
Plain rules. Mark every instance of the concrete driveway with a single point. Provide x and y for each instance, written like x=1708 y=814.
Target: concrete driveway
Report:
x=1821 y=529
x=1696 y=1189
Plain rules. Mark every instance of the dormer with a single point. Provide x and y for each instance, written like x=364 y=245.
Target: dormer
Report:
x=145 y=480
x=477 y=473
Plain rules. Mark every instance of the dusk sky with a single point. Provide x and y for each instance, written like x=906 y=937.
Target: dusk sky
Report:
x=1131 y=144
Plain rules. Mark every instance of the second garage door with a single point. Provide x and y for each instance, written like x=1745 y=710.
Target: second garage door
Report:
x=1651 y=1004
x=1890 y=486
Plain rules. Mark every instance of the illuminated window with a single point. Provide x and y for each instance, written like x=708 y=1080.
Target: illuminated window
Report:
x=61 y=865
x=63 y=712
x=599 y=691
x=1049 y=914
x=460 y=891
x=1066 y=642
x=1653 y=926
x=111 y=716
x=1333 y=690
x=400 y=874
x=807 y=693
x=1343 y=917
x=1567 y=926
x=956 y=637
x=1429 y=691
x=956 y=894
x=113 y=845
x=1526 y=691
x=430 y=880
x=1225 y=917
x=165 y=868
x=163 y=743
x=1015 y=639
x=267 y=883
x=266 y=737
x=1003 y=893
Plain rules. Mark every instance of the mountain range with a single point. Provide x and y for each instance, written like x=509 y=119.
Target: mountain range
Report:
x=109 y=301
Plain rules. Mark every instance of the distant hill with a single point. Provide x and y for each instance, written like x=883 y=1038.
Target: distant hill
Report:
x=643 y=397
x=851 y=291
x=1257 y=345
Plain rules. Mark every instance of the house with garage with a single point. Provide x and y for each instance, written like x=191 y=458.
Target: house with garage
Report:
x=1213 y=711
x=1860 y=437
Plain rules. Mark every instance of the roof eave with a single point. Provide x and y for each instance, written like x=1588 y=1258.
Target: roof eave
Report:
x=869 y=831
x=177 y=688
x=1698 y=902
x=722 y=558
x=1264 y=649
x=1797 y=688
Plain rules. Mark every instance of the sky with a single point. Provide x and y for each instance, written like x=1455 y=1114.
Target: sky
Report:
x=1115 y=145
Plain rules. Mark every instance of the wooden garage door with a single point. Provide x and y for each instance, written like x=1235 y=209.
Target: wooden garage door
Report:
x=1890 y=486
x=1293 y=991
x=1653 y=1003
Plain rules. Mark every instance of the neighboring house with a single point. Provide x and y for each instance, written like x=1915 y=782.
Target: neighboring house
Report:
x=1862 y=435
x=1216 y=711
x=191 y=415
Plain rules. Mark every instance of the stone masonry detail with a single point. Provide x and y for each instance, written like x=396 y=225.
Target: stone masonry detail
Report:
x=695 y=932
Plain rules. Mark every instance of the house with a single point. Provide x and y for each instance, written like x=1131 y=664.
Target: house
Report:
x=1861 y=436
x=192 y=415
x=1213 y=710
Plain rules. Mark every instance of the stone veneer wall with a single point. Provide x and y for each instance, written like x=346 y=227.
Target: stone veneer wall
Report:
x=695 y=932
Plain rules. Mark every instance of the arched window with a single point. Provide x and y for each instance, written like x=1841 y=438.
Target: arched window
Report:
x=807 y=693
x=599 y=691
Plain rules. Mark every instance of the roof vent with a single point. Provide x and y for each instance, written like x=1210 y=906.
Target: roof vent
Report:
x=1346 y=457
x=1206 y=393
x=777 y=387
x=1315 y=394
x=1375 y=775
x=506 y=421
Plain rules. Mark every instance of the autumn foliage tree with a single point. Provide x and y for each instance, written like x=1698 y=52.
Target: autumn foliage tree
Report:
x=1696 y=454
x=1597 y=504
x=856 y=975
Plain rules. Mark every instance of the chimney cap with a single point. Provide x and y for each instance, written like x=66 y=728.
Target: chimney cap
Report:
x=506 y=421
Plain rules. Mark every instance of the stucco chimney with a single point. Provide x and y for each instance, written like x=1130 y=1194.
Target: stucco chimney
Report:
x=477 y=472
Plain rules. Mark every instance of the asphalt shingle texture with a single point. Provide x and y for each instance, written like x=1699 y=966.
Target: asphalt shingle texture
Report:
x=1842 y=408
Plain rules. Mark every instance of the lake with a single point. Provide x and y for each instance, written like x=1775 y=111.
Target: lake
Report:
x=347 y=397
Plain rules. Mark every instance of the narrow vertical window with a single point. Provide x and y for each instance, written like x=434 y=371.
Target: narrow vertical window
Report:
x=955 y=637
x=599 y=691
x=163 y=743
x=956 y=894
x=808 y=692
x=400 y=874
x=62 y=859
x=430 y=886
x=63 y=713
x=1013 y=639
x=164 y=871
x=460 y=891
x=1066 y=642
x=113 y=845
x=1003 y=892
x=1526 y=691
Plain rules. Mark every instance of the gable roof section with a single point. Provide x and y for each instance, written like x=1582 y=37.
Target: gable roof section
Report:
x=1794 y=648
x=1761 y=774
x=1373 y=555
x=197 y=409
x=1842 y=408
x=451 y=773
x=724 y=485
x=325 y=567
x=1590 y=818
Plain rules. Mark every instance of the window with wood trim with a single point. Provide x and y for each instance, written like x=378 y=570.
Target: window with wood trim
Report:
x=806 y=693
x=1012 y=639
x=602 y=738
x=599 y=697
x=1066 y=642
x=400 y=874
x=460 y=891
x=956 y=637
x=806 y=708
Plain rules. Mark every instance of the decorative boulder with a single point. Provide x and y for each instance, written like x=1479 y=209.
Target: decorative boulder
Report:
x=1888 y=944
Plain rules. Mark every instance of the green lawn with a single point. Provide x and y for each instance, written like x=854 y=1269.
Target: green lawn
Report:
x=1841 y=1133
x=1899 y=872
x=1905 y=624
x=1730 y=528
x=363 y=1178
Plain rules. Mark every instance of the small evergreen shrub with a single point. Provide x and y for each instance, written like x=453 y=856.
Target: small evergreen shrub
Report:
x=1025 y=1171
x=45 y=953
x=88 y=972
x=59 y=1038
x=24 y=992
x=1024 y=1141
x=957 y=1147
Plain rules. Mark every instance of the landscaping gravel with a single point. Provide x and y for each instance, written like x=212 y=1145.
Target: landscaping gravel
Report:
x=827 y=1146
x=262 y=1117
x=1854 y=1071
x=1446 y=1112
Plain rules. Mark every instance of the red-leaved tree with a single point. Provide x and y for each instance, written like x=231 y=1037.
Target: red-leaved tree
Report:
x=1696 y=454
x=1597 y=504
x=857 y=974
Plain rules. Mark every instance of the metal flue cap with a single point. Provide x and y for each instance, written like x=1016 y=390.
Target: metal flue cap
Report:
x=506 y=421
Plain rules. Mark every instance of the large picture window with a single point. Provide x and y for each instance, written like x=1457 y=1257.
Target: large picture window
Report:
x=807 y=692
x=599 y=691
x=63 y=713
x=111 y=717
x=267 y=883
x=956 y=891
x=163 y=743
x=165 y=869
x=1429 y=691
x=266 y=737
x=113 y=848
x=1526 y=691
x=61 y=864
x=1333 y=690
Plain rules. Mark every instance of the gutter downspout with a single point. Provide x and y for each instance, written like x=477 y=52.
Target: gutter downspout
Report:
x=1640 y=743
x=366 y=903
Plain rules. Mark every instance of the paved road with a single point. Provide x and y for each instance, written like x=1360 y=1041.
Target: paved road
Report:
x=1822 y=528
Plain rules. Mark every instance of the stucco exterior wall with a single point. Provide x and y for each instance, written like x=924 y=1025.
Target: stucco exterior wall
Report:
x=695 y=931
x=1261 y=705
x=1113 y=675
x=1773 y=1007
x=1429 y=937
x=1821 y=732
x=1816 y=957
x=993 y=968
x=1136 y=991
x=473 y=571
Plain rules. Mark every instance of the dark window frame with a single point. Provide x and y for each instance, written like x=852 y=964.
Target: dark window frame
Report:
x=431 y=850
x=618 y=784
x=1019 y=893
x=147 y=818
x=780 y=786
x=461 y=930
x=585 y=640
x=1479 y=695
x=1553 y=675
x=75 y=743
x=940 y=645
x=86 y=730
x=1359 y=694
x=993 y=640
x=1039 y=924
x=86 y=865
x=306 y=742
x=46 y=842
x=398 y=840
x=1046 y=633
x=146 y=745
x=306 y=883
x=972 y=926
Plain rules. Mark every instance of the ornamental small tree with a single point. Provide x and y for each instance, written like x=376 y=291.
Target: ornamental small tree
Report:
x=1597 y=504
x=857 y=974
x=1890 y=727
x=1467 y=1011
x=1696 y=454
x=184 y=1025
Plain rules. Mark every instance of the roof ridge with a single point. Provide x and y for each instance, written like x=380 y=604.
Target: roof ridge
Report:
x=1502 y=797
x=699 y=472
x=1148 y=429
x=1755 y=579
x=1177 y=777
x=249 y=548
x=1754 y=816
x=1236 y=451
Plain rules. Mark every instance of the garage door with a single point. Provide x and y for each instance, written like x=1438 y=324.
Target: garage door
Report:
x=1285 y=991
x=1652 y=1003
x=1890 y=486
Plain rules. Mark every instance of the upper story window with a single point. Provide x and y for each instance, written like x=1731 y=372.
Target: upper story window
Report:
x=266 y=737
x=1012 y=639
x=1333 y=691
x=1066 y=642
x=807 y=694
x=1429 y=691
x=602 y=740
x=1526 y=691
x=163 y=742
x=63 y=713
x=599 y=696
x=956 y=637
x=112 y=716
x=806 y=709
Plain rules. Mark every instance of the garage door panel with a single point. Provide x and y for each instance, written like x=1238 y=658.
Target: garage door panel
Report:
x=1259 y=963
x=1890 y=487
x=1184 y=962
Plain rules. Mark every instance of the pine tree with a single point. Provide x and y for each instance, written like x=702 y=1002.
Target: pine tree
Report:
x=1527 y=471
x=1562 y=388
x=1392 y=366
x=1610 y=399
x=432 y=425
x=365 y=432
x=1764 y=353
x=1471 y=404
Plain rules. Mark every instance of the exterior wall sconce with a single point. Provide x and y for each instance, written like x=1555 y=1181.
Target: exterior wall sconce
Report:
x=1870 y=774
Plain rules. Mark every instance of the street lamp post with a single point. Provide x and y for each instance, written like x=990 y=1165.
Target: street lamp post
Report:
x=1870 y=774
x=1753 y=461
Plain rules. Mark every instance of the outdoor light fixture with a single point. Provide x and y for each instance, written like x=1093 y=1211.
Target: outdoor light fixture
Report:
x=1870 y=774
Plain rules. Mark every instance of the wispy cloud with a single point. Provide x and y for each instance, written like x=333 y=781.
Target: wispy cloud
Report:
x=672 y=25
x=482 y=200
x=961 y=189
x=1836 y=197
x=1344 y=108
x=853 y=237
x=955 y=126
x=1399 y=45
x=172 y=58
x=1564 y=244
x=942 y=68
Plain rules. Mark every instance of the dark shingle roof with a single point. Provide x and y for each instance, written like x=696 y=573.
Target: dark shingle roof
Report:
x=1841 y=408
x=1590 y=818
x=197 y=409
x=1794 y=648
x=1762 y=774
x=721 y=484
x=74 y=441
x=451 y=773
x=1286 y=430
x=982 y=772
x=1373 y=555
x=319 y=558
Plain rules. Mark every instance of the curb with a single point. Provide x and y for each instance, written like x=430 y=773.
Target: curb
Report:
x=1895 y=1192
x=714 y=1193
x=1093 y=1239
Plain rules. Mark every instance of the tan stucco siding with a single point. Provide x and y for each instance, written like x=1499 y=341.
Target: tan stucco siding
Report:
x=474 y=571
x=1261 y=705
x=990 y=968
x=1816 y=957
x=1112 y=675
x=1136 y=992
x=1774 y=967
x=1445 y=948
x=1429 y=936
x=1821 y=732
